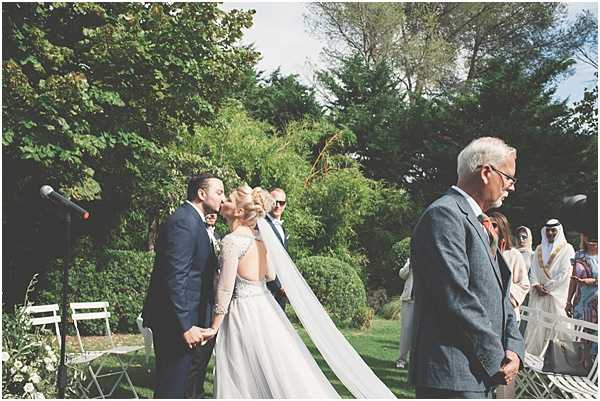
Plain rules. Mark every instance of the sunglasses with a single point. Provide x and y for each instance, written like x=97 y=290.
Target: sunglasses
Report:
x=280 y=203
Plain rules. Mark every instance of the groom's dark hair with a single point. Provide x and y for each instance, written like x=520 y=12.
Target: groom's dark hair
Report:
x=196 y=182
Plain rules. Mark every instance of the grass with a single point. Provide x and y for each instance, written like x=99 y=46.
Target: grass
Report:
x=378 y=346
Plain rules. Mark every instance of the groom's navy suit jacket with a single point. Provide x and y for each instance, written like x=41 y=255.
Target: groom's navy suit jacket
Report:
x=181 y=288
x=463 y=318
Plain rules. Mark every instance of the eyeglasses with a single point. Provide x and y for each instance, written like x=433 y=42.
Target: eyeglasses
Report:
x=507 y=176
x=280 y=203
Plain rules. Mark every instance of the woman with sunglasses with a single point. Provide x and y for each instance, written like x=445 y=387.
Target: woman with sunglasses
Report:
x=520 y=279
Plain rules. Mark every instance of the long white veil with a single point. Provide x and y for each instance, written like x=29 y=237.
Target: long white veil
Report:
x=345 y=362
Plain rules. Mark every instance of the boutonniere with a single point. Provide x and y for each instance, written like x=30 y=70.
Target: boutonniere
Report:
x=217 y=247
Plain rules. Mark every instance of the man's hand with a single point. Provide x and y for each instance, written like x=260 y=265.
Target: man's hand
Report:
x=509 y=368
x=207 y=334
x=193 y=336
x=540 y=290
x=585 y=281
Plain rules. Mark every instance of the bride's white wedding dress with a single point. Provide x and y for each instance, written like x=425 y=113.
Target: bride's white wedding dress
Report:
x=259 y=353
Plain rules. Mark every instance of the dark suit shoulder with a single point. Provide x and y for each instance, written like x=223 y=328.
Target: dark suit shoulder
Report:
x=184 y=214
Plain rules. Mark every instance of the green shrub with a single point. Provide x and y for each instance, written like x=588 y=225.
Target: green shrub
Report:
x=391 y=310
x=401 y=252
x=337 y=286
x=363 y=318
x=119 y=277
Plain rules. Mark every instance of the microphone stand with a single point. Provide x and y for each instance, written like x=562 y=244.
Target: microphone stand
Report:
x=61 y=380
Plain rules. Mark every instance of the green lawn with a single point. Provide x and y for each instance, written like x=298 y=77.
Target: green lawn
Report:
x=378 y=346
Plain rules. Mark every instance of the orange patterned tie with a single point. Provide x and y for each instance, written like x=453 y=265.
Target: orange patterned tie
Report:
x=487 y=224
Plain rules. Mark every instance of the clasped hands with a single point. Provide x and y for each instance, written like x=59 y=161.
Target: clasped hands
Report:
x=509 y=368
x=541 y=290
x=198 y=335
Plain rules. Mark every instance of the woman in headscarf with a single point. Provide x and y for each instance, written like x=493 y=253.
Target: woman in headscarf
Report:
x=525 y=246
x=551 y=273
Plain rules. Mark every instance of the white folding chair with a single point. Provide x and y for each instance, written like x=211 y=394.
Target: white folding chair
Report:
x=146 y=332
x=577 y=386
x=531 y=380
x=536 y=383
x=42 y=315
x=97 y=311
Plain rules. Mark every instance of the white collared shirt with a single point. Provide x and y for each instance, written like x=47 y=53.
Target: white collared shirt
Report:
x=198 y=210
x=278 y=225
x=474 y=206
x=211 y=234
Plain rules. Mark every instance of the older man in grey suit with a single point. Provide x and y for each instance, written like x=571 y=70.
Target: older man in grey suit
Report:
x=466 y=338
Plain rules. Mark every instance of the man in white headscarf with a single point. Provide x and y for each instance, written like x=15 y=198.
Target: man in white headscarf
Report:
x=551 y=273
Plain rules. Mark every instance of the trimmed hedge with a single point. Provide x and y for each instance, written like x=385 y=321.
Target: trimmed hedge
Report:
x=339 y=288
x=122 y=281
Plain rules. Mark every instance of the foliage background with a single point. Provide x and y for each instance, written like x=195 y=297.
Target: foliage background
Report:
x=114 y=104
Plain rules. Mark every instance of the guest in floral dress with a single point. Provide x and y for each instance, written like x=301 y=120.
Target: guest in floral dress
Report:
x=582 y=301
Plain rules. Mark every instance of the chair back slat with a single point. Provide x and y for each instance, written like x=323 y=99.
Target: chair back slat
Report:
x=90 y=315
x=41 y=308
x=88 y=305
x=575 y=334
x=41 y=321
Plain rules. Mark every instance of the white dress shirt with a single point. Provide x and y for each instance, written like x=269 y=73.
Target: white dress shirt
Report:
x=278 y=225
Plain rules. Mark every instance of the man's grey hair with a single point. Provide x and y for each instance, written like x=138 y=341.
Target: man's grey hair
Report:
x=484 y=150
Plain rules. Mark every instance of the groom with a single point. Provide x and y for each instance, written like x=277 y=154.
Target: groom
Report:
x=180 y=295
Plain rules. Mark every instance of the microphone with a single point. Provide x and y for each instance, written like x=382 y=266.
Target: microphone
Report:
x=48 y=193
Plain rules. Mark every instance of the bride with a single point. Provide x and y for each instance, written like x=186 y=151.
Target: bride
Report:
x=258 y=352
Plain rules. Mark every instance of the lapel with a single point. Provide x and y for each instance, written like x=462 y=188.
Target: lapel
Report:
x=213 y=261
x=464 y=206
x=276 y=231
x=505 y=272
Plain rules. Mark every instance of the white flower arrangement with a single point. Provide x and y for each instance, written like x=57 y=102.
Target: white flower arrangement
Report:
x=35 y=378
x=29 y=388
x=29 y=360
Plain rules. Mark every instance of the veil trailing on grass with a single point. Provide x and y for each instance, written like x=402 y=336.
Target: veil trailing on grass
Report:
x=345 y=362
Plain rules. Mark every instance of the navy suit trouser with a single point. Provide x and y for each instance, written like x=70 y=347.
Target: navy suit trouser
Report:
x=173 y=362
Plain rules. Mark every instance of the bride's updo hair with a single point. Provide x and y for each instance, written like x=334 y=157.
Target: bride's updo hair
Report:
x=255 y=203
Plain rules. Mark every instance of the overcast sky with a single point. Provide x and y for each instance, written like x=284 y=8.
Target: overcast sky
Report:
x=280 y=34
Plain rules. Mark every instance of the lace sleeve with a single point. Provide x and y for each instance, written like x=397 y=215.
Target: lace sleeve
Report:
x=229 y=264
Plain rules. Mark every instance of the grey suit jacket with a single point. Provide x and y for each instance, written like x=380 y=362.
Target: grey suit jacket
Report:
x=463 y=318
